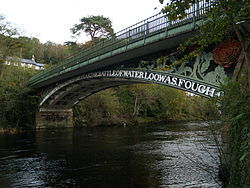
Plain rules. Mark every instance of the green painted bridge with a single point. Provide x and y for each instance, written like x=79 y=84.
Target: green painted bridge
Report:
x=136 y=54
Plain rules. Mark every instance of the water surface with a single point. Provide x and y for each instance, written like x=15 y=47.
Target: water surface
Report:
x=156 y=156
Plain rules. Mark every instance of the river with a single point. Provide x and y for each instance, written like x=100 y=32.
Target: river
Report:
x=172 y=155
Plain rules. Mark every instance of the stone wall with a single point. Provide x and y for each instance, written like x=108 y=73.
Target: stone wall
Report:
x=54 y=119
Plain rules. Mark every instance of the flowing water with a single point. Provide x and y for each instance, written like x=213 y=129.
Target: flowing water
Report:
x=157 y=156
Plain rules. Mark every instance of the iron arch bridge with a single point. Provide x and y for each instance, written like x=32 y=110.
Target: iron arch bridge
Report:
x=130 y=56
x=66 y=94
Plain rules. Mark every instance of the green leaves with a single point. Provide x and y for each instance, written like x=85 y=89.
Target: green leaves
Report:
x=142 y=102
x=95 y=26
x=13 y=92
x=220 y=21
x=176 y=9
x=161 y=1
x=6 y=28
x=234 y=105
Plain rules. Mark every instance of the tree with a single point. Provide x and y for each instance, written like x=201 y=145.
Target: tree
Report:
x=8 y=44
x=226 y=19
x=14 y=95
x=28 y=47
x=102 y=108
x=94 y=26
x=6 y=28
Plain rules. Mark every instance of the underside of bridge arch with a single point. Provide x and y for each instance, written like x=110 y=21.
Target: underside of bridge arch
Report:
x=57 y=103
x=66 y=97
x=56 y=111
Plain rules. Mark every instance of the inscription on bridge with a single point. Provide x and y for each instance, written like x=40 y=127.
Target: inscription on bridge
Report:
x=161 y=78
x=148 y=76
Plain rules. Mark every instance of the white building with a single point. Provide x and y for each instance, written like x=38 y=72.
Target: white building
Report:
x=26 y=63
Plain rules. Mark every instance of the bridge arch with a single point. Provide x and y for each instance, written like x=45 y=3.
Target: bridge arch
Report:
x=66 y=94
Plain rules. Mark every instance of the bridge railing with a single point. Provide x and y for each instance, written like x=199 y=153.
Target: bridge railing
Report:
x=150 y=26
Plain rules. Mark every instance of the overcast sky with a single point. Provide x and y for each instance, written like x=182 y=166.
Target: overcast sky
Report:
x=51 y=20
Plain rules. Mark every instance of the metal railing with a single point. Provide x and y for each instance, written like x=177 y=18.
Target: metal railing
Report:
x=141 y=30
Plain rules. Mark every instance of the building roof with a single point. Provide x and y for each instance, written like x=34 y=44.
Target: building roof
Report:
x=27 y=61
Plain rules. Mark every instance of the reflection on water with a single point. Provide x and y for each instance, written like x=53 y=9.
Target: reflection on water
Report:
x=173 y=155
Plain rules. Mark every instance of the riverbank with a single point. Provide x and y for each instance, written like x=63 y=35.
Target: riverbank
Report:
x=10 y=131
x=139 y=121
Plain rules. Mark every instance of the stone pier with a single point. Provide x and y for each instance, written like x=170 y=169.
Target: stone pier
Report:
x=54 y=118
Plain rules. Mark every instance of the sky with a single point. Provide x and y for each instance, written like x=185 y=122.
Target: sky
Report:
x=51 y=20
